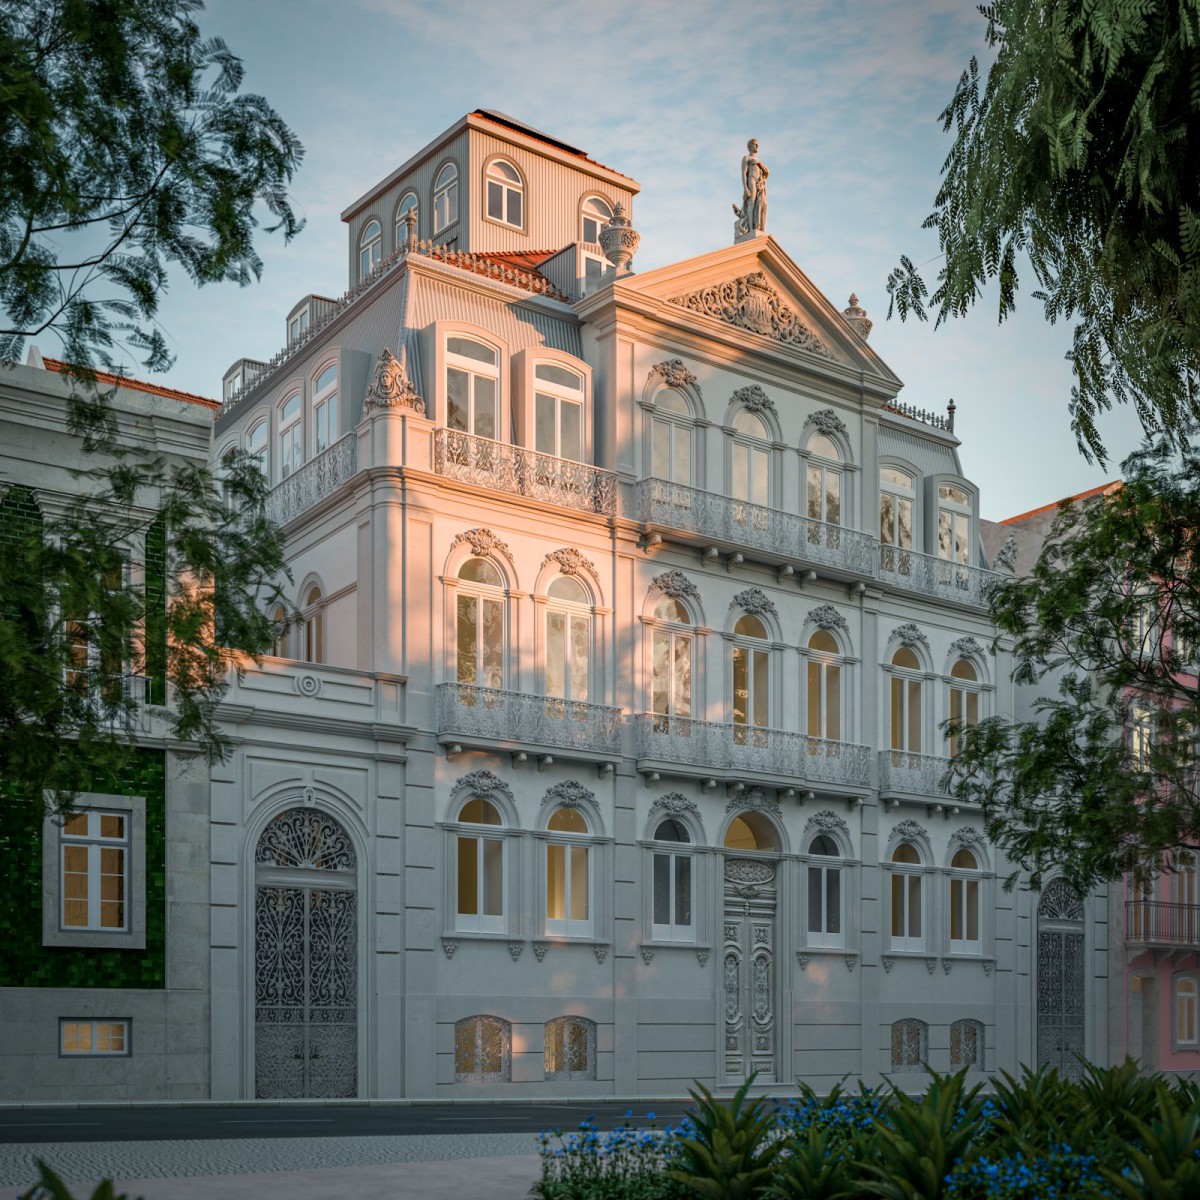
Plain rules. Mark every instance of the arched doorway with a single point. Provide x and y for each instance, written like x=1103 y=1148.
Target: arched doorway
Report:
x=748 y=950
x=1061 y=1029
x=305 y=959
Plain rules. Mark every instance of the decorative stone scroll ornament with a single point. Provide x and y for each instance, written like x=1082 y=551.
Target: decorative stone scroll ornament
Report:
x=483 y=542
x=910 y=635
x=989 y=965
x=748 y=870
x=749 y=302
x=391 y=387
x=674 y=373
x=539 y=950
x=1006 y=556
x=947 y=963
x=826 y=421
x=515 y=948
x=570 y=562
x=931 y=965
x=569 y=794
x=967 y=647
x=827 y=617
x=908 y=831
x=675 y=803
x=753 y=399
x=755 y=601
x=674 y=584
x=484 y=784
x=826 y=819
x=970 y=838
x=856 y=317
x=619 y=240
x=756 y=799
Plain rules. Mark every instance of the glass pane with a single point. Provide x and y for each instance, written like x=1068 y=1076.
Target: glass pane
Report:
x=579 y=883
x=543 y=424
x=749 y=625
x=485 y=407
x=914 y=716
x=815 y=716
x=479 y=570
x=492 y=643
x=567 y=588
x=898 y=922
x=682 y=465
x=571 y=440
x=577 y=1054
x=887 y=519
x=739 y=835
x=468 y=881
x=823 y=447
x=660 y=678
x=457 y=398
x=112 y=825
x=972 y=886
x=464 y=1048
x=327 y=378
x=471 y=349
x=741 y=471
x=741 y=685
x=495 y=200
x=681 y=695
x=953 y=494
x=580 y=645
x=897 y=714
x=816 y=900
x=914 y=906
x=683 y=890
x=554 y=1047
x=945 y=534
x=77 y=1037
x=813 y=493
x=760 y=478
x=893 y=476
x=833 y=703
x=956 y=910
x=491 y=1048
x=972 y=709
x=762 y=689
x=556 y=658
x=833 y=901
x=905 y=514
x=662 y=889
x=660 y=449
x=560 y=375
x=833 y=497
x=747 y=422
x=468 y=639
x=479 y=812
x=514 y=207
x=493 y=878
x=556 y=883
x=75 y=886
x=567 y=820
x=76 y=825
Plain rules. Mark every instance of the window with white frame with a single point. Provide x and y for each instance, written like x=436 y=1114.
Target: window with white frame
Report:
x=1141 y=735
x=823 y=480
x=482 y=1050
x=86 y=1038
x=568 y=640
x=824 y=687
x=445 y=198
x=325 y=409
x=298 y=325
x=505 y=194
x=966 y=1045
x=672 y=651
x=1144 y=622
x=751 y=678
x=370 y=248
x=963 y=703
x=94 y=874
x=825 y=893
x=905 y=689
x=570 y=1048
x=897 y=499
x=593 y=273
x=1185 y=880
x=479 y=864
x=908 y=885
x=750 y=474
x=291 y=436
x=472 y=386
x=954 y=524
x=279 y=632
x=568 y=874
x=596 y=213
x=256 y=446
x=910 y=1045
x=479 y=621
x=671 y=893
x=671 y=437
x=314 y=626
x=965 y=935
x=1187 y=1011
x=558 y=411
x=408 y=203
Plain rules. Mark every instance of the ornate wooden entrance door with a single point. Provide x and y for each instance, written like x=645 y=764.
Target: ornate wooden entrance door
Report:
x=748 y=970
x=1061 y=1029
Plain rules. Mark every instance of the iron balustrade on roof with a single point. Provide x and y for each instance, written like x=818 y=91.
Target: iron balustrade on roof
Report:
x=316 y=479
x=941 y=578
x=1158 y=923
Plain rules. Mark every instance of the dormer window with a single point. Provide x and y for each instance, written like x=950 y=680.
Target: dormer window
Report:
x=445 y=198
x=472 y=386
x=298 y=326
x=325 y=408
x=896 y=498
x=954 y=524
x=505 y=194
x=233 y=384
x=558 y=411
x=596 y=214
x=408 y=203
x=370 y=249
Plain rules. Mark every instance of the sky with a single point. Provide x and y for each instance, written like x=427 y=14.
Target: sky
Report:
x=843 y=95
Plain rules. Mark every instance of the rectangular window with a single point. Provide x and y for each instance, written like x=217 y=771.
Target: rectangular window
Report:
x=825 y=906
x=568 y=891
x=593 y=274
x=95 y=866
x=672 y=899
x=906 y=912
x=94 y=1039
x=964 y=916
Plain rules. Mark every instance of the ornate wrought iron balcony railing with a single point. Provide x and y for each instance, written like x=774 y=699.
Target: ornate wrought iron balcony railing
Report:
x=707 y=744
x=1156 y=923
x=493 y=715
x=938 y=577
x=522 y=472
x=318 y=478
x=915 y=774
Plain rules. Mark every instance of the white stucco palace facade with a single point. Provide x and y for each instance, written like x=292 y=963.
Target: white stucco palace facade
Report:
x=605 y=754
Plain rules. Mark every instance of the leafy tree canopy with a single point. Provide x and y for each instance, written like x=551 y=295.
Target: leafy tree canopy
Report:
x=1104 y=779
x=1078 y=154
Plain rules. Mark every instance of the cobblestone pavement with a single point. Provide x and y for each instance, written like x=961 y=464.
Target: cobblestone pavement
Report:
x=145 y=1161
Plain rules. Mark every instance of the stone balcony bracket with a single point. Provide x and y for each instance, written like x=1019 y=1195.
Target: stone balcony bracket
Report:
x=734 y=560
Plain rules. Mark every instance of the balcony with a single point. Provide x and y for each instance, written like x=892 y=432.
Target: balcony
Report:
x=936 y=577
x=489 y=717
x=903 y=773
x=1154 y=925
x=521 y=472
x=770 y=534
x=748 y=751
x=318 y=478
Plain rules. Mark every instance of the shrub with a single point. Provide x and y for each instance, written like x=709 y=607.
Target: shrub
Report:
x=50 y=1187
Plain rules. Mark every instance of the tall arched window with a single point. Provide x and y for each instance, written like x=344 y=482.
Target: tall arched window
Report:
x=965 y=936
x=954 y=524
x=472 y=386
x=823 y=482
x=370 y=248
x=445 y=198
x=479 y=616
x=291 y=436
x=570 y=1048
x=505 y=194
x=897 y=497
x=966 y=1045
x=964 y=702
x=672 y=652
x=1187 y=1011
x=568 y=640
x=671 y=432
x=558 y=411
x=906 y=683
x=907 y=871
x=480 y=869
x=910 y=1045
x=750 y=467
x=314 y=626
x=751 y=667
x=256 y=446
x=595 y=215
x=824 y=692
x=671 y=919
x=278 y=620
x=482 y=1050
x=325 y=409
x=568 y=875
x=825 y=912
x=408 y=203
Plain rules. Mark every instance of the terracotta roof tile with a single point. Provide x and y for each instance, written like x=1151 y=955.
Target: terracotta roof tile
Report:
x=135 y=385
x=1111 y=486
x=526 y=259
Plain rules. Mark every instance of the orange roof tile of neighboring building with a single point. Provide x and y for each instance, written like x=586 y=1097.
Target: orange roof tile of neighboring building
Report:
x=1112 y=485
x=136 y=385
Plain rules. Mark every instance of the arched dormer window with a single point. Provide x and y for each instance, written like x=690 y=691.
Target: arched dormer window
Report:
x=558 y=411
x=445 y=198
x=326 y=423
x=954 y=524
x=823 y=693
x=963 y=707
x=750 y=467
x=906 y=687
x=479 y=868
x=313 y=615
x=568 y=873
x=672 y=437
x=408 y=203
x=671 y=901
x=594 y=215
x=897 y=502
x=472 y=386
x=751 y=681
x=505 y=194
x=672 y=654
x=291 y=436
x=826 y=924
x=480 y=624
x=965 y=921
x=370 y=248
x=256 y=446
x=907 y=869
x=823 y=480
x=568 y=640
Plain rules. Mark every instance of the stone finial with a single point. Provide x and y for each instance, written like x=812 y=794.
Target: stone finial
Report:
x=619 y=240
x=857 y=319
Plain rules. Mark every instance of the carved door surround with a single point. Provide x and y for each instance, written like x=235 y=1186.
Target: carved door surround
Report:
x=1061 y=981
x=749 y=989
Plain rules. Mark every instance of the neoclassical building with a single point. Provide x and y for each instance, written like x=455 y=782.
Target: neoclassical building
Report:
x=606 y=751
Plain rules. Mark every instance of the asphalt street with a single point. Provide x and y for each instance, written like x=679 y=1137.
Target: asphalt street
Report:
x=310 y=1121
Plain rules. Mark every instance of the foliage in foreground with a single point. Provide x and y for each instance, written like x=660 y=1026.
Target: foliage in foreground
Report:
x=50 y=1187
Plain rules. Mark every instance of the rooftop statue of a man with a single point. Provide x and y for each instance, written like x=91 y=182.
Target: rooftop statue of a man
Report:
x=752 y=216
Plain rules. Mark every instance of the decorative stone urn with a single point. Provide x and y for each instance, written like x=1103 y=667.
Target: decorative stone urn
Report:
x=856 y=317
x=619 y=240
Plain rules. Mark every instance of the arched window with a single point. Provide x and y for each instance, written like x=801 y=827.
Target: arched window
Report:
x=751 y=665
x=480 y=869
x=505 y=194
x=408 y=203
x=445 y=198
x=314 y=626
x=568 y=640
x=291 y=436
x=256 y=446
x=906 y=702
x=278 y=632
x=595 y=215
x=954 y=524
x=472 y=386
x=568 y=875
x=482 y=1050
x=824 y=480
x=671 y=432
x=907 y=886
x=325 y=409
x=1186 y=894
x=964 y=702
x=910 y=1045
x=558 y=411
x=370 y=248
x=965 y=936
x=825 y=913
x=671 y=920
x=751 y=831
x=750 y=475
x=479 y=618
x=672 y=651
x=897 y=497
x=1187 y=1011
x=824 y=692
x=966 y=1045
x=570 y=1048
